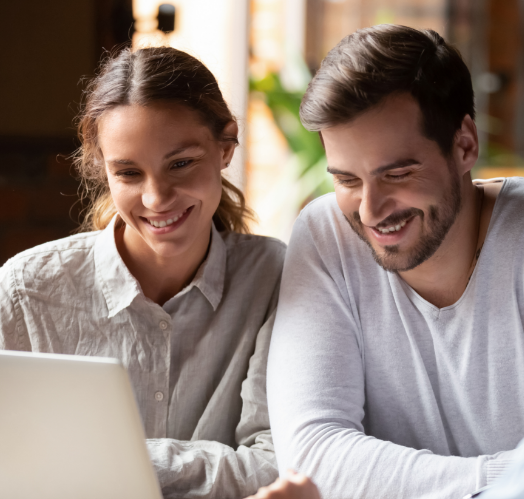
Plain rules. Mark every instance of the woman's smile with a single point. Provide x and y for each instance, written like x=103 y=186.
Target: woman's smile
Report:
x=167 y=223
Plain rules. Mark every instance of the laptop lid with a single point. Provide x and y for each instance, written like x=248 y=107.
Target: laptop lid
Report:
x=70 y=428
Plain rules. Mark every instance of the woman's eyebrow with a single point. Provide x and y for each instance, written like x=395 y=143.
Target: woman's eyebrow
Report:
x=120 y=162
x=182 y=148
x=178 y=150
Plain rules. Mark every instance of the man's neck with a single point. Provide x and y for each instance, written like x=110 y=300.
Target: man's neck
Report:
x=443 y=278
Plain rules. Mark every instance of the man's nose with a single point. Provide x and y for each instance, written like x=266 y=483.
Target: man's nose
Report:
x=158 y=195
x=375 y=204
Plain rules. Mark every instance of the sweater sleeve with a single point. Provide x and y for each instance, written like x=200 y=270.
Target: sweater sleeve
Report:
x=210 y=469
x=316 y=396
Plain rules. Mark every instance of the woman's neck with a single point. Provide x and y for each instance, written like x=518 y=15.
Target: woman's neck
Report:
x=160 y=278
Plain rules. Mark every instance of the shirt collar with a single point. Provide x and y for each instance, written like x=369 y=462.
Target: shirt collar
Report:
x=120 y=288
x=210 y=276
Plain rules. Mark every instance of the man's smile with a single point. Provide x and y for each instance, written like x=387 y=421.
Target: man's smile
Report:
x=387 y=235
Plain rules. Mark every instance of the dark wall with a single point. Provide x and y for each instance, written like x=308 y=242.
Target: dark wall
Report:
x=46 y=49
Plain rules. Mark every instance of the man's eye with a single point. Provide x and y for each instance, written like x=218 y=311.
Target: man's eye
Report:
x=399 y=176
x=181 y=164
x=347 y=181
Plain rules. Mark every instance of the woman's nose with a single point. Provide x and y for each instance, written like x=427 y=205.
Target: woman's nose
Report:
x=158 y=195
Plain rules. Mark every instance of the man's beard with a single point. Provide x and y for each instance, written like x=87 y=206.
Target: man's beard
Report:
x=440 y=219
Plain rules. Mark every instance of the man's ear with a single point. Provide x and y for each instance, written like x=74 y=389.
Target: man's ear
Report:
x=466 y=146
x=229 y=133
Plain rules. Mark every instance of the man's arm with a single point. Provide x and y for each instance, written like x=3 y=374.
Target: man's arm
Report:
x=207 y=469
x=316 y=395
x=292 y=486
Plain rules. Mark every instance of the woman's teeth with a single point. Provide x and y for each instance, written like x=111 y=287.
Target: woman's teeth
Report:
x=393 y=228
x=165 y=223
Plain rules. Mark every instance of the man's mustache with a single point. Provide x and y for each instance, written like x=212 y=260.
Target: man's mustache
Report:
x=393 y=219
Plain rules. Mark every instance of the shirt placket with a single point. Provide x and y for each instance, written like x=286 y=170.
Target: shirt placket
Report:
x=158 y=392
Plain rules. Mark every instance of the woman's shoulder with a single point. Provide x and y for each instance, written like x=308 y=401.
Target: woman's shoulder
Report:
x=59 y=253
x=261 y=245
x=251 y=251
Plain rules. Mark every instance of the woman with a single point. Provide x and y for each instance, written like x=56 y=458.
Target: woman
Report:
x=164 y=276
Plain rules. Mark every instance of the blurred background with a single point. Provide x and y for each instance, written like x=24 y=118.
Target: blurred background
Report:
x=263 y=53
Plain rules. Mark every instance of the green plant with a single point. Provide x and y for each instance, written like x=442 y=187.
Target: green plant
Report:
x=309 y=153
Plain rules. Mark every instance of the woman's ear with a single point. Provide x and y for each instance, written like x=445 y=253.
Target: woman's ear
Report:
x=466 y=146
x=229 y=133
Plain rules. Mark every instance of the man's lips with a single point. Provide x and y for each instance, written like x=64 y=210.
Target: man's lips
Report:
x=391 y=234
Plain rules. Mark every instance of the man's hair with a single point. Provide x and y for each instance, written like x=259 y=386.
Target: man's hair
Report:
x=374 y=63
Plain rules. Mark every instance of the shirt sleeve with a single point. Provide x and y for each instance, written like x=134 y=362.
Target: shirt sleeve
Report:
x=208 y=469
x=511 y=484
x=8 y=320
x=316 y=395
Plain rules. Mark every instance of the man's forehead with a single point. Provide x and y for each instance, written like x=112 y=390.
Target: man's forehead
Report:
x=379 y=138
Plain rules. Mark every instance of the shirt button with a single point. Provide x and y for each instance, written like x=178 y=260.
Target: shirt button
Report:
x=163 y=325
x=159 y=396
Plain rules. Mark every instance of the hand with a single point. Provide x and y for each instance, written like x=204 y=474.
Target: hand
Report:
x=292 y=486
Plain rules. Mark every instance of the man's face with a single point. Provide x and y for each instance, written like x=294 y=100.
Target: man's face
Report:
x=396 y=189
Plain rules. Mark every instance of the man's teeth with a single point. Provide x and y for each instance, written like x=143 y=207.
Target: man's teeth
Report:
x=393 y=228
x=165 y=223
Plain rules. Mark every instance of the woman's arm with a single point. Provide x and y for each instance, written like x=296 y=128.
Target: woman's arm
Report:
x=8 y=318
x=207 y=469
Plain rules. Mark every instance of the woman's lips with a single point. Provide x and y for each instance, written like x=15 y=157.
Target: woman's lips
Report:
x=168 y=224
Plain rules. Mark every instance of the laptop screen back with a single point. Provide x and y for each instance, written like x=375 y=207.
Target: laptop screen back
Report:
x=70 y=428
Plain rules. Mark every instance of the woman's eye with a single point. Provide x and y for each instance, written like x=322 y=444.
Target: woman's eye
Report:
x=181 y=164
x=127 y=173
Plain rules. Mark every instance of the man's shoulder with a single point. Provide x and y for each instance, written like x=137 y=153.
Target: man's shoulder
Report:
x=513 y=190
x=509 y=205
x=322 y=207
x=323 y=220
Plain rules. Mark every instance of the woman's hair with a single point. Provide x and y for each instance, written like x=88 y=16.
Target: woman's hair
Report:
x=373 y=63
x=141 y=77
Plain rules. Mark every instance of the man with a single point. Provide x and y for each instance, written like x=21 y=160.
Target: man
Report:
x=396 y=368
x=295 y=486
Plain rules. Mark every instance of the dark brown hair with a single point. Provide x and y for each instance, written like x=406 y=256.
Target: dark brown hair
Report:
x=151 y=74
x=373 y=63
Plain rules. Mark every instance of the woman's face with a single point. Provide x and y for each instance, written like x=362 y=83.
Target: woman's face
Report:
x=164 y=171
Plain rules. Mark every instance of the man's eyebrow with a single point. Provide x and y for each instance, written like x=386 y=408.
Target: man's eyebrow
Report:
x=381 y=169
x=174 y=152
x=335 y=171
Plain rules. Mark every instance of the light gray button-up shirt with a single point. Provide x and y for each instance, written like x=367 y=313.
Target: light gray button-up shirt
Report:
x=197 y=364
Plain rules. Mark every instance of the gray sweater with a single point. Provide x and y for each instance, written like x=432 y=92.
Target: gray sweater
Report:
x=376 y=393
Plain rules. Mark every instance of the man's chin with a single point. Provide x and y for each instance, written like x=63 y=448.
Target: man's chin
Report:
x=392 y=259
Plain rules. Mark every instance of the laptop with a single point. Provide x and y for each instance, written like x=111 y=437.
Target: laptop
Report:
x=70 y=429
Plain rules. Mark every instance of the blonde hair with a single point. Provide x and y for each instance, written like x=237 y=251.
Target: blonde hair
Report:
x=150 y=74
